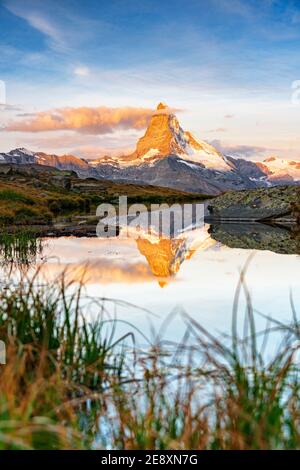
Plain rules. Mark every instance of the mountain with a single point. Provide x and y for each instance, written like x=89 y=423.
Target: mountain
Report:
x=280 y=171
x=64 y=162
x=165 y=137
x=23 y=156
x=19 y=156
x=168 y=156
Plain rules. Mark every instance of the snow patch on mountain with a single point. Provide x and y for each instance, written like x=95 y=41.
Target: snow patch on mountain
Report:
x=279 y=169
x=169 y=156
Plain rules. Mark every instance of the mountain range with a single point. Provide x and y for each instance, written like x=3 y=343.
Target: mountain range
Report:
x=168 y=156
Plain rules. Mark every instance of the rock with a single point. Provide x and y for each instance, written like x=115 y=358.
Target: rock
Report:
x=257 y=204
x=256 y=237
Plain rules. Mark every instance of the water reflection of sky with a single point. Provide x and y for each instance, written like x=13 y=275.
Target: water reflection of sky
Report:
x=202 y=283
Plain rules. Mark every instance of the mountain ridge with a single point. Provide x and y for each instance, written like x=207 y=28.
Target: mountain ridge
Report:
x=168 y=156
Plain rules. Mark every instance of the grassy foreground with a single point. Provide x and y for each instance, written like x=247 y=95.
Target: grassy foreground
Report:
x=71 y=383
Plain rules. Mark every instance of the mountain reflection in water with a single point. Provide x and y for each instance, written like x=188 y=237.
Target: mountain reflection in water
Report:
x=146 y=256
x=196 y=271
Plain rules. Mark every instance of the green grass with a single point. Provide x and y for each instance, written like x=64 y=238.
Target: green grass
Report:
x=70 y=382
x=28 y=206
x=56 y=361
x=15 y=196
x=65 y=204
x=36 y=196
x=19 y=249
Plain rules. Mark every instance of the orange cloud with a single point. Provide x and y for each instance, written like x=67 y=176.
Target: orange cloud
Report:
x=99 y=272
x=99 y=120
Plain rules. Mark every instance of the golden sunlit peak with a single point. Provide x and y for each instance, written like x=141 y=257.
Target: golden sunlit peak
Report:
x=162 y=284
x=161 y=105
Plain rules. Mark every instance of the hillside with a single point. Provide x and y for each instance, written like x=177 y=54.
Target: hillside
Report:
x=36 y=194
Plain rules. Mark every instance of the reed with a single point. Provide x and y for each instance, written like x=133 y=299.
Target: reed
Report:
x=56 y=360
x=71 y=383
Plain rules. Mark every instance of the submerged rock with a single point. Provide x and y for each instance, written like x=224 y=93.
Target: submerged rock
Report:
x=256 y=237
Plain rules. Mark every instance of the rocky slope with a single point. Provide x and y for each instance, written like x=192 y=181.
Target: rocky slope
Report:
x=258 y=204
x=20 y=156
x=35 y=194
x=64 y=162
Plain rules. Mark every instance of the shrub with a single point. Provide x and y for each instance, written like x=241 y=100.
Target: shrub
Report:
x=6 y=215
x=16 y=196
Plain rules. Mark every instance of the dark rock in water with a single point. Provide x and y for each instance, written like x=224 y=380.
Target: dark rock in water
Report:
x=256 y=237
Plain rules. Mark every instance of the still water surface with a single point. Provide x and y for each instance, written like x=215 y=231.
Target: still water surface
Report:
x=195 y=273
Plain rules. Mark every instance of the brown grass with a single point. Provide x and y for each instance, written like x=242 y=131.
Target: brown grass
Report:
x=69 y=383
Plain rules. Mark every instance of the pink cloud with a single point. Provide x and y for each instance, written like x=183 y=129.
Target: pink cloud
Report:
x=99 y=120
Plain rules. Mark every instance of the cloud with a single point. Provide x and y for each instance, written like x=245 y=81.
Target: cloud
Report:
x=219 y=129
x=102 y=272
x=243 y=151
x=235 y=7
x=84 y=145
x=82 y=71
x=62 y=27
x=9 y=107
x=99 y=120
x=91 y=153
x=37 y=19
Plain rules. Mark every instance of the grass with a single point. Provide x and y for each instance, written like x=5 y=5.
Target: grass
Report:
x=20 y=206
x=56 y=361
x=27 y=205
x=35 y=195
x=19 y=249
x=71 y=383
x=16 y=196
x=225 y=404
x=65 y=204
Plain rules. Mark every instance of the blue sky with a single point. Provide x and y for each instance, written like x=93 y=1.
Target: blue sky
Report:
x=228 y=65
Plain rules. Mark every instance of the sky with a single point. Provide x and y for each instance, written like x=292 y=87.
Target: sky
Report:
x=83 y=77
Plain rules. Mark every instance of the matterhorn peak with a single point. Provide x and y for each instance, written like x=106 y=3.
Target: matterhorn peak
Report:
x=161 y=105
x=165 y=137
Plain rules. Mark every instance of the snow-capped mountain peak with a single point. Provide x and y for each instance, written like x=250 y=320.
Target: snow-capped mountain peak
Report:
x=19 y=156
x=168 y=156
x=23 y=151
x=279 y=169
x=164 y=137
